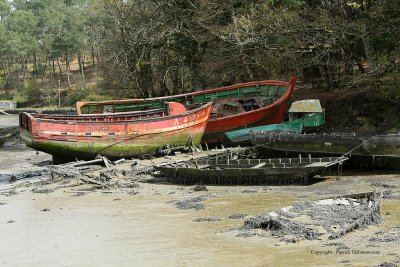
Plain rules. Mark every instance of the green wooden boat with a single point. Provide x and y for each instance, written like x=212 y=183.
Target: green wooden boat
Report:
x=304 y=114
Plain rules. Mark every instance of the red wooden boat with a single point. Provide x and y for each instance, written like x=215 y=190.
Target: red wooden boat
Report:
x=234 y=107
x=114 y=135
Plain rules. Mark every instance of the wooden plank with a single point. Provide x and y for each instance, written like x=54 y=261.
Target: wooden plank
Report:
x=92 y=181
x=262 y=164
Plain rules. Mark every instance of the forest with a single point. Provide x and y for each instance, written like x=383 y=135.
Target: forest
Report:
x=55 y=52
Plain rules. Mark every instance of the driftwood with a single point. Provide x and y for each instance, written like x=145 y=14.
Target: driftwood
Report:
x=119 y=161
x=92 y=181
x=82 y=163
x=107 y=163
x=169 y=150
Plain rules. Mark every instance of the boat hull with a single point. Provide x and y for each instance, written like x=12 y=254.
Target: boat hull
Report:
x=277 y=92
x=113 y=138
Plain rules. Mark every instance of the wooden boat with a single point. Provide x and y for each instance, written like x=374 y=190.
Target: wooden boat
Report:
x=303 y=115
x=114 y=135
x=337 y=144
x=234 y=107
x=247 y=171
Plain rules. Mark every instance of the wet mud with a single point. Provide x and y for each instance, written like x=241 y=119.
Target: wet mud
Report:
x=117 y=217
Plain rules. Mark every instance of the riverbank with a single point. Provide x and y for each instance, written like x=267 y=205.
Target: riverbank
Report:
x=135 y=221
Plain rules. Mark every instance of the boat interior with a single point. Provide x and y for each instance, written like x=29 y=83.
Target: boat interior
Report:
x=232 y=106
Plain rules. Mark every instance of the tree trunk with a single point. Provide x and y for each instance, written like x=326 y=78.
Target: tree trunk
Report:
x=93 y=56
x=60 y=70
x=17 y=73
x=44 y=68
x=24 y=69
x=67 y=63
x=35 y=68
x=9 y=77
x=81 y=68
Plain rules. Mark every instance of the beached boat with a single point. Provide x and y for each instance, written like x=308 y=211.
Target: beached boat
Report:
x=114 y=135
x=228 y=171
x=330 y=144
x=303 y=115
x=234 y=107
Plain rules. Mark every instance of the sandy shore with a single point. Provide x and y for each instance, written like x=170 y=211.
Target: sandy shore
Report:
x=75 y=224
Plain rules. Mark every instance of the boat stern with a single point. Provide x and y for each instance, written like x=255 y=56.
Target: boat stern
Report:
x=25 y=128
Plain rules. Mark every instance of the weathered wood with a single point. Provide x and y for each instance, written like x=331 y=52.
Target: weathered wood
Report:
x=106 y=162
x=119 y=161
x=259 y=165
x=92 y=181
x=82 y=163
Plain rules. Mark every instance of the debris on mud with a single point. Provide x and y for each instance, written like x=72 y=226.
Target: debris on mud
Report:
x=43 y=190
x=387 y=264
x=249 y=191
x=237 y=216
x=192 y=203
x=207 y=220
x=390 y=194
x=384 y=185
x=323 y=219
x=133 y=192
x=79 y=194
x=7 y=134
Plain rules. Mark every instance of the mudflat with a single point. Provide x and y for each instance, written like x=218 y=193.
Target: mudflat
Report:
x=134 y=219
x=8 y=120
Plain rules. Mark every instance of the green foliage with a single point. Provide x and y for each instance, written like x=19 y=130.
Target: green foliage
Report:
x=32 y=92
x=144 y=48
x=290 y=4
x=78 y=95
x=387 y=88
x=86 y=95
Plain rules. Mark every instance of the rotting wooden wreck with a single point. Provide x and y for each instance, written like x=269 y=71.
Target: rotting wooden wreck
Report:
x=114 y=135
x=339 y=144
x=226 y=171
x=234 y=107
x=366 y=151
x=323 y=219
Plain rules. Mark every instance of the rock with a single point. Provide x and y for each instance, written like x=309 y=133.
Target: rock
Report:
x=13 y=178
x=200 y=188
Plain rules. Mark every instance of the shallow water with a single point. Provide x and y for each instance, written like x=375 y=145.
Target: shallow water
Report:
x=8 y=120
